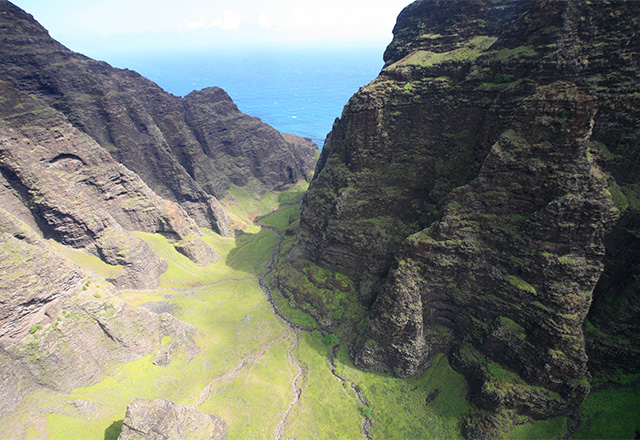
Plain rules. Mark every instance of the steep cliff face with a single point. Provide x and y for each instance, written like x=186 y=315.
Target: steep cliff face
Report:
x=167 y=140
x=69 y=188
x=475 y=192
x=60 y=327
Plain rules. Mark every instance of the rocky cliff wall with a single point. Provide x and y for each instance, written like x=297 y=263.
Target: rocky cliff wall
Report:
x=476 y=193
x=188 y=150
x=61 y=328
x=69 y=188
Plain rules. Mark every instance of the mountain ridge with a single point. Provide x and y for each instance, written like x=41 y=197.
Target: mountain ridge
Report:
x=148 y=129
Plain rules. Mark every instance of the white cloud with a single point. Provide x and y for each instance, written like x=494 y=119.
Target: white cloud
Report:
x=231 y=20
x=249 y=21
x=265 y=21
x=227 y=20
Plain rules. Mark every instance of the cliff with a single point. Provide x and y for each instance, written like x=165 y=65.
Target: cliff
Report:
x=478 y=196
x=67 y=187
x=61 y=328
x=188 y=150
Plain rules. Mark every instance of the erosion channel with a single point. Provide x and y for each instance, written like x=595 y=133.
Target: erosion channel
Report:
x=297 y=391
x=269 y=371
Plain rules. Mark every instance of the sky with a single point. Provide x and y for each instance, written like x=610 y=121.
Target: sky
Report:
x=147 y=25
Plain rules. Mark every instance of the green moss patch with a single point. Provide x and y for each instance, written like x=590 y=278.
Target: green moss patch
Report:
x=612 y=413
x=425 y=406
x=328 y=294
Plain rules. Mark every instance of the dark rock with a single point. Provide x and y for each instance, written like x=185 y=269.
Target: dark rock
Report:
x=473 y=193
x=161 y=419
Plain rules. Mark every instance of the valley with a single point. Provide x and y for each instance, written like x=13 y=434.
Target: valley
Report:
x=249 y=361
x=461 y=260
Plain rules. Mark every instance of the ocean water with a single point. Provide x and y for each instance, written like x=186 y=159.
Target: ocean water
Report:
x=296 y=91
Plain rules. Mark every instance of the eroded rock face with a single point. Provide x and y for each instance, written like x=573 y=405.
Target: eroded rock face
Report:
x=70 y=189
x=470 y=192
x=172 y=143
x=162 y=419
x=61 y=328
x=243 y=150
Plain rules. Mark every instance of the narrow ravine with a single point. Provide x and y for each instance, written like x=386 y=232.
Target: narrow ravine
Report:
x=297 y=391
x=366 y=422
x=267 y=289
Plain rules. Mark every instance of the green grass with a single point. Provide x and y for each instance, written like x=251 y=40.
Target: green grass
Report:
x=280 y=219
x=521 y=284
x=87 y=262
x=469 y=51
x=401 y=409
x=252 y=401
x=611 y=413
x=327 y=409
x=243 y=206
x=540 y=429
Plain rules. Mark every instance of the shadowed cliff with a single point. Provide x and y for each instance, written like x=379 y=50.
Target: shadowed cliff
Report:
x=475 y=194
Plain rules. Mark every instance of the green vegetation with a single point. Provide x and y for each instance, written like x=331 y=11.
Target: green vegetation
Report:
x=541 y=429
x=468 y=52
x=618 y=196
x=426 y=406
x=518 y=52
x=113 y=431
x=502 y=78
x=366 y=411
x=88 y=262
x=610 y=413
x=282 y=218
x=521 y=284
x=327 y=409
x=243 y=207
x=330 y=295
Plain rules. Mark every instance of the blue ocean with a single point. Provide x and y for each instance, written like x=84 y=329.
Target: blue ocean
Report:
x=296 y=91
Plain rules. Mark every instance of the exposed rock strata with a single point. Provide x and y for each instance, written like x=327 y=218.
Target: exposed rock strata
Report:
x=169 y=141
x=470 y=190
x=161 y=419
x=73 y=191
x=61 y=328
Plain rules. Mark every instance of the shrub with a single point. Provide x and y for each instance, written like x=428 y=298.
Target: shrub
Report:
x=366 y=411
x=501 y=78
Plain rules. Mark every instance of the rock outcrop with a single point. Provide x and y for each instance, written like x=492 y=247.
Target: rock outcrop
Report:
x=162 y=419
x=477 y=192
x=170 y=142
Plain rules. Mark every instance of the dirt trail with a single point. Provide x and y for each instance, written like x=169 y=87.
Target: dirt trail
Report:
x=297 y=391
x=366 y=422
